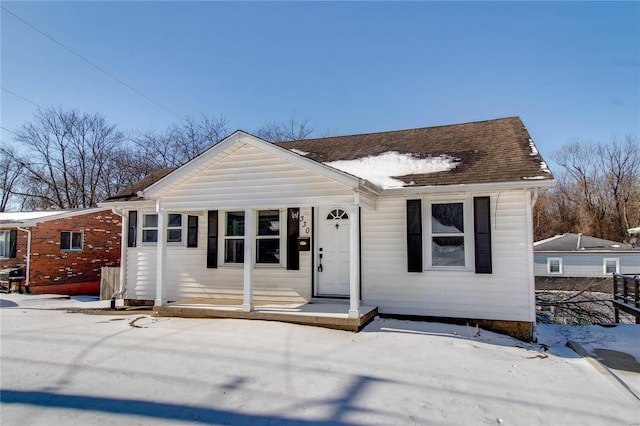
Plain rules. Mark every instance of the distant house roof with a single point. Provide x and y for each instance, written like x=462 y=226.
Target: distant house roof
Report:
x=489 y=151
x=30 y=218
x=130 y=193
x=579 y=243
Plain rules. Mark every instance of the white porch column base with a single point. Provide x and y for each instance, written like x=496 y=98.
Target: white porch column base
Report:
x=161 y=260
x=249 y=232
x=354 y=261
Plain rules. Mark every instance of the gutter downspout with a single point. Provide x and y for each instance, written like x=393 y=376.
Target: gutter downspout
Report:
x=28 y=269
x=123 y=260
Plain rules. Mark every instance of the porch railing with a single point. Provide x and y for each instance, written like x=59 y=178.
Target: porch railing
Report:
x=626 y=296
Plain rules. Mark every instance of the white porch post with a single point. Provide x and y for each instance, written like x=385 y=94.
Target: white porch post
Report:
x=161 y=261
x=354 y=261
x=249 y=232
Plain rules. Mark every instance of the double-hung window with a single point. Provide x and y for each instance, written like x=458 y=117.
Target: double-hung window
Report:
x=71 y=240
x=267 y=238
x=234 y=238
x=554 y=265
x=611 y=266
x=150 y=228
x=5 y=244
x=174 y=228
x=447 y=236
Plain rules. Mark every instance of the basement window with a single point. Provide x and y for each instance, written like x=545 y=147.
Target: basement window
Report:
x=71 y=241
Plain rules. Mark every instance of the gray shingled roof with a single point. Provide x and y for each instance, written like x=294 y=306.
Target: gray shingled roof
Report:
x=489 y=151
x=579 y=243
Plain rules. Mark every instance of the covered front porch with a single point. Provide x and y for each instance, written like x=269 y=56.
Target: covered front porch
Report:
x=329 y=314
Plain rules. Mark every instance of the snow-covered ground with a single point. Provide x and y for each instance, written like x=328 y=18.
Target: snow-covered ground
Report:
x=78 y=369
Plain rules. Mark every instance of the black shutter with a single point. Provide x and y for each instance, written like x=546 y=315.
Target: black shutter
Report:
x=293 y=232
x=133 y=228
x=414 y=235
x=482 y=234
x=212 y=239
x=192 y=231
x=13 y=243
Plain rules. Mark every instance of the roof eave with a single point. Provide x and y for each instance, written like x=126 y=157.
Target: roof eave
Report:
x=471 y=187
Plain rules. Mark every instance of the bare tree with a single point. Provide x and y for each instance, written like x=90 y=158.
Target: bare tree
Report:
x=598 y=191
x=181 y=142
x=10 y=173
x=290 y=130
x=67 y=156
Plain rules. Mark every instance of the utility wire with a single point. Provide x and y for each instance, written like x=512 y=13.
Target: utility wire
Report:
x=91 y=63
x=21 y=97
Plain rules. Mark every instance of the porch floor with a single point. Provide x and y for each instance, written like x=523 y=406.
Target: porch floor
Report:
x=330 y=314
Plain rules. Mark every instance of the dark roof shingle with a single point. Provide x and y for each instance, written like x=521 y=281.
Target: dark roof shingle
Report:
x=489 y=151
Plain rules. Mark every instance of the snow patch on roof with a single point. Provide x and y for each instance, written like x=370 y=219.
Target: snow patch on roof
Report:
x=19 y=216
x=534 y=150
x=544 y=167
x=299 y=152
x=382 y=168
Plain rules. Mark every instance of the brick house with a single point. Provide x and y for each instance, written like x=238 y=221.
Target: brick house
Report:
x=61 y=252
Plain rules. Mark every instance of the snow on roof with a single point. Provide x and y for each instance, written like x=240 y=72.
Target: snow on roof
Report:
x=382 y=168
x=299 y=152
x=21 y=216
x=634 y=230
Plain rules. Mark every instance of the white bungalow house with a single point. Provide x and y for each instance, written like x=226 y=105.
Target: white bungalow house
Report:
x=432 y=222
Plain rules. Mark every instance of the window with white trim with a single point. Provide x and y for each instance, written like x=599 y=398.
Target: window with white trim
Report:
x=610 y=266
x=554 y=265
x=268 y=237
x=234 y=237
x=150 y=228
x=448 y=236
x=5 y=244
x=71 y=240
x=174 y=228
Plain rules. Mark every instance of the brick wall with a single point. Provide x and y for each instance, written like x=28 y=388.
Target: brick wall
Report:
x=69 y=272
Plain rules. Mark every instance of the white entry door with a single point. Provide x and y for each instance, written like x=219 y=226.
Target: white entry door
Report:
x=333 y=252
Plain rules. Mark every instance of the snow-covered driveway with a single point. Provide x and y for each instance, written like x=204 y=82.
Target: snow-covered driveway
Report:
x=76 y=369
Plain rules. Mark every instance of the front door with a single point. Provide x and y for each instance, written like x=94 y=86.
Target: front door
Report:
x=333 y=252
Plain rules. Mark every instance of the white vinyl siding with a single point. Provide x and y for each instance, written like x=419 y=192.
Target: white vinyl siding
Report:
x=249 y=177
x=504 y=294
x=187 y=275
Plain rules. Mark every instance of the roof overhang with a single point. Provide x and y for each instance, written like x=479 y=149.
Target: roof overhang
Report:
x=33 y=221
x=471 y=187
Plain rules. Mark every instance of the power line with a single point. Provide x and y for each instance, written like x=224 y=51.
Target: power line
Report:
x=21 y=97
x=91 y=63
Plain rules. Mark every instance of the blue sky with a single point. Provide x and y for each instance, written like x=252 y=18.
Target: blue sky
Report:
x=570 y=70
